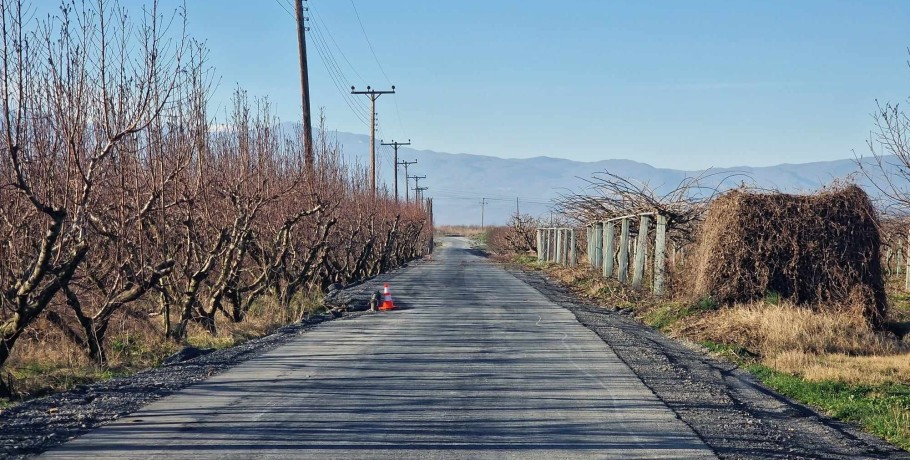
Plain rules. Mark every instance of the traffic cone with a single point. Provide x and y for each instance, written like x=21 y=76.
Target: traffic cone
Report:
x=387 y=303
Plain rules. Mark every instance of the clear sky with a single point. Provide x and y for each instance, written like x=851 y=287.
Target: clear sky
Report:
x=684 y=84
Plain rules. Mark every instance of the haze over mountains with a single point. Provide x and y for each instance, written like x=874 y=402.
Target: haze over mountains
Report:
x=458 y=182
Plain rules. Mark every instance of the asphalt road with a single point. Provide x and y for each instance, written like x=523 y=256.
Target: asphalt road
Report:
x=476 y=364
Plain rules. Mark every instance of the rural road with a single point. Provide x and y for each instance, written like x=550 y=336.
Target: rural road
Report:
x=477 y=364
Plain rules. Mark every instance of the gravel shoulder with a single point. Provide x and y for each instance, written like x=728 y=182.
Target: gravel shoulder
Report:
x=727 y=407
x=37 y=425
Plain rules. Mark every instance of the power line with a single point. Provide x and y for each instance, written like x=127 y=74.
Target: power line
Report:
x=370 y=44
x=340 y=85
x=286 y=10
x=335 y=74
x=340 y=51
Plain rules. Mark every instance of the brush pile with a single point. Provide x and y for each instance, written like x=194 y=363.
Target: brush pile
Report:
x=820 y=250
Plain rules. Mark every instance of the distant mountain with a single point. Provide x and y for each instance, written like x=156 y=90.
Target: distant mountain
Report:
x=458 y=182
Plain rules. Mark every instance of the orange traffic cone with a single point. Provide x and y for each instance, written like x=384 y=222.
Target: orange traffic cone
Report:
x=387 y=303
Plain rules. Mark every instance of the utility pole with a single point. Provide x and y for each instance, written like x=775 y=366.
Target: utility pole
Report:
x=417 y=193
x=483 y=204
x=416 y=186
x=517 y=214
x=308 y=157
x=395 y=145
x=373 y=95
x=406 y=182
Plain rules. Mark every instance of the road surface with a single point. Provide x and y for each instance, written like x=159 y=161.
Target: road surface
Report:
x=477 y=364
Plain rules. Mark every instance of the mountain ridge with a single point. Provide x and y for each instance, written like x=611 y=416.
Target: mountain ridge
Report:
x=459 y=181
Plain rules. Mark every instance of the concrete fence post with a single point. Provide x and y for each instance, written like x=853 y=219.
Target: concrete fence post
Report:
x=609 y=245
x=589 y=232
x=539 y=246
x=549 y=238
x=598 y=244
x=573 y=254
x=660 y=259
x=558 y=246
x=623 y=275
x=543 y=240
x=546 y=244
x=641 y=247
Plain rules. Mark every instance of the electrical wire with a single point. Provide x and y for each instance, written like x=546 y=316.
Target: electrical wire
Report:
x=370 y=44
x=328 y=32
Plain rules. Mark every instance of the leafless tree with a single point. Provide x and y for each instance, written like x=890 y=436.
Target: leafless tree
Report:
x=77 y=90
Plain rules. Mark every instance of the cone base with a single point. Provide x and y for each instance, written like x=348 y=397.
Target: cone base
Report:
x=386 y=306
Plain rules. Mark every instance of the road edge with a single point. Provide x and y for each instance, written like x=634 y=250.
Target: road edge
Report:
x=40 y=424
x=727 y=407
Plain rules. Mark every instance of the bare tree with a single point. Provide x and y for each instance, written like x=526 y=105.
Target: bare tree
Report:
x=76 y=90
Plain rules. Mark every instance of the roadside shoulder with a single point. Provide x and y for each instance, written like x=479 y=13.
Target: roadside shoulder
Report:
x=727 y=407
x=40 y=424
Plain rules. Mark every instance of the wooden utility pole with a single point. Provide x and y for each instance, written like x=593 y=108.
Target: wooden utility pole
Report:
x=483 y=205
x=406 y=182
x=416 y=186
x=308 y=156
x=395 y=145
x=373 y=95
x=418 y=192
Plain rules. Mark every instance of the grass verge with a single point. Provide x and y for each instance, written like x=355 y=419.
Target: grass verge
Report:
x=37 y=369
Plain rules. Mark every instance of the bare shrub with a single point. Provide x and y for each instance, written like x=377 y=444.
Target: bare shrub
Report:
x=517 y=237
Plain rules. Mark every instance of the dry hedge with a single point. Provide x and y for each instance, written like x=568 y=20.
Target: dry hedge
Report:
x=820 y=250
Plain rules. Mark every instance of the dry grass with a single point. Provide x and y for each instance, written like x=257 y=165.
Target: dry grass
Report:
x=819 y=345
x=816 y=345
x=768 y=329
x=589 y=284
x=36 y=368
x=830 y=359
x=838 y=367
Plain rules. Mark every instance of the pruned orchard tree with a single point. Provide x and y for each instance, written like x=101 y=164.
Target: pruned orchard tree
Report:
x=79 y=91
x=121 y=197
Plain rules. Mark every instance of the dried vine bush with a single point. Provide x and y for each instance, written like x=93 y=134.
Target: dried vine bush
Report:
x=820 y=250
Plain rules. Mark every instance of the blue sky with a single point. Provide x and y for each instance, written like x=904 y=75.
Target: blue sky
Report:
x=683 y=84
